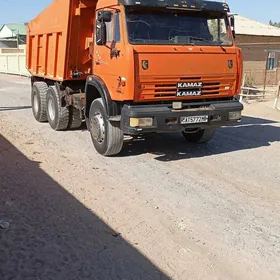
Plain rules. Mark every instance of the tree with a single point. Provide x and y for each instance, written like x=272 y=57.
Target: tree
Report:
x=276 y=24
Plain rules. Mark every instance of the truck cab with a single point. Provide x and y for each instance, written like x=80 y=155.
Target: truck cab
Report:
x=147 y=67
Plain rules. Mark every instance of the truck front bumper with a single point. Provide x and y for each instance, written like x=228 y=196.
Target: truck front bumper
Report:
x=167 y=119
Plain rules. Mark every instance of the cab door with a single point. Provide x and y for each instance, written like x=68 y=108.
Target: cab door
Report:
x=113 y=61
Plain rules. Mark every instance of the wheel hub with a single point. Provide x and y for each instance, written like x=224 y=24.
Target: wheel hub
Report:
x=51 y=109
x=36 y=103
x=98 y=128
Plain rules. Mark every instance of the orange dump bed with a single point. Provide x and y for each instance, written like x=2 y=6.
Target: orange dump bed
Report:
x=59 y=39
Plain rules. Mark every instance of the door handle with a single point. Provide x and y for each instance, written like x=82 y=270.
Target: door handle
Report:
x=97 y=62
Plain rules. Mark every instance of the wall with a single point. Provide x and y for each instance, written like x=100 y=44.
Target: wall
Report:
x=254 y=50
x=256 y=39
x=13 y=61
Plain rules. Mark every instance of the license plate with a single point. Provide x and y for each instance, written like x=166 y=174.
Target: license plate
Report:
x=194 y=119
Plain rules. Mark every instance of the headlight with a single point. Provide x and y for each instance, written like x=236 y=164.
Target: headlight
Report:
x=234 y=115
x=141 y=122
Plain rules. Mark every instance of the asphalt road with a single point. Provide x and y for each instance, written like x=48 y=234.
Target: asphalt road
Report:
x=163 y=209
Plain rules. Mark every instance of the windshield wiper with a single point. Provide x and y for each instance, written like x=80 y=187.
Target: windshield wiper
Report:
x=199 y=39
x=207 y=41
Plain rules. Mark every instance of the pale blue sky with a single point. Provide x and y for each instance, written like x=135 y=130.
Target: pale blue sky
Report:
x=18 y=11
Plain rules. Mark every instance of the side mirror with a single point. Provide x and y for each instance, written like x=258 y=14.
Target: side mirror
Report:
x=104 y=16
x=232 y=24
x=101 y=33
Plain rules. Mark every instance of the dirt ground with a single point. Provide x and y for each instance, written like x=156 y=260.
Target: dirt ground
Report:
x=163 y=209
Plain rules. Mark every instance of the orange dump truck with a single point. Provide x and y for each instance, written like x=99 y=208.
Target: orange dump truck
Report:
x=132 y=67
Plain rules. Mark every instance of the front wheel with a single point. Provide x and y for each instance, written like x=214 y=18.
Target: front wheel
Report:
x=200 y=136
x=106 y=136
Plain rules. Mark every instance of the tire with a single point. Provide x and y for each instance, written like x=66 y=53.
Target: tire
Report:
x=201 y=136
x=106 y=136
x=75 y=120
x=58 y=116
x=38 y=101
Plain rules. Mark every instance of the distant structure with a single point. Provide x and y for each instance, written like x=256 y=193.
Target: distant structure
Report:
x=12 y=35
x=260 y=44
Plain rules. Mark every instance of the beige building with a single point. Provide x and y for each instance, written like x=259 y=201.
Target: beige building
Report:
x=260 y=44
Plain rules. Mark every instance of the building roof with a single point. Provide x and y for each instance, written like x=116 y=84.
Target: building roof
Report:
x=246 y=26
x=3 y=45
x=16 y=28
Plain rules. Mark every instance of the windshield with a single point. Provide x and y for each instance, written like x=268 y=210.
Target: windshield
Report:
x=171 y=27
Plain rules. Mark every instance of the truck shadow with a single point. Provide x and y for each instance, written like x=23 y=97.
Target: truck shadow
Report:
x=52 y=235
x=251 y=133
x=14 y=108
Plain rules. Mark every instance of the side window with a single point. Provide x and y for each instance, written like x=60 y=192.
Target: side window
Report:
x=113 y=29
x=117 y=31
x=109 y=27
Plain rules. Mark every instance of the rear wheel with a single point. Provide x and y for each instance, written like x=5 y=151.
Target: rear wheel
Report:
x=58 y=116
x=200 y=136
x=75 y=119
x=107 y=136
x=38 y=101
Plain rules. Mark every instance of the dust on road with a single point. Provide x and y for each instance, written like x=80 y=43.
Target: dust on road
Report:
x=163 y=209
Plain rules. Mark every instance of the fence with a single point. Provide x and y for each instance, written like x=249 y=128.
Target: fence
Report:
x=12 y=61
x=264 y=92
x=257 y=77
